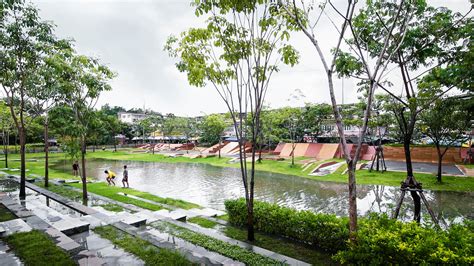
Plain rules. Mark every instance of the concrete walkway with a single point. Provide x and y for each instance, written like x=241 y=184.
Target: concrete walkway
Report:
x=421 y=167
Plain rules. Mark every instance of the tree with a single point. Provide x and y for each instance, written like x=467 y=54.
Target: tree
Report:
x=307 y=17
x=212 y=128
x=6 y=124
x=445 y=124
x=237 y=53
x=25 y=41
x=314 y=116
x=82 y=81
x=435 y=42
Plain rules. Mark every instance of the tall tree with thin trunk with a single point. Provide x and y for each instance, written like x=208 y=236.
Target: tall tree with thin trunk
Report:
x=24 y=40
x=446 y=124
x=237 y=53
x=435 y=39
x=82 y=81
x=307 y=17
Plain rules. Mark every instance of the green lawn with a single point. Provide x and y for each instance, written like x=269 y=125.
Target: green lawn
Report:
x=35 y=248
x=101 y=188
x=149 y=253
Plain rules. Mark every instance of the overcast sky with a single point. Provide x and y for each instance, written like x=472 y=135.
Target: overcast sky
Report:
x=129 y=36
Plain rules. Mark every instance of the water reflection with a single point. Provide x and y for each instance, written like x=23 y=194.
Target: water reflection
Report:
x=210 y=186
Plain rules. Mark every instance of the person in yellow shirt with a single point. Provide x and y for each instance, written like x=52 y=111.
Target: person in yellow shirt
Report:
x=110 y=177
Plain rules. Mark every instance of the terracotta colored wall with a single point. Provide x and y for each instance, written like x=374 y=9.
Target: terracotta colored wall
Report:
x=422 y=154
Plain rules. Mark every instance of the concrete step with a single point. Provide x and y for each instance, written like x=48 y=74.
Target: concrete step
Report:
x=175 y=215
x=14 y=226
x=207 y=212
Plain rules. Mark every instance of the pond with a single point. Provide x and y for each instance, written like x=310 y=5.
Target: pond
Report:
x=209 y=186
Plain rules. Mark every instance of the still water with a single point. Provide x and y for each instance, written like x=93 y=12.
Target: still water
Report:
x=209 y=186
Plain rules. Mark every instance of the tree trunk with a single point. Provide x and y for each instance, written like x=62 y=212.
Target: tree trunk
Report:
x=22 y=136
x=46 y=151
x=406 y=147
x=409 y=165
x=83 y=172
x=250 y=226
x=219 y=148
x=352 y=201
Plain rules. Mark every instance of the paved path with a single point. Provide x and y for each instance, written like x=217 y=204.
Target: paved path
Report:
x=421 y=167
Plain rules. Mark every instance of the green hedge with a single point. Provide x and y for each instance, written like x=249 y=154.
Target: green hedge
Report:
x=324 y=231
x=380 y=240
x=386 y=241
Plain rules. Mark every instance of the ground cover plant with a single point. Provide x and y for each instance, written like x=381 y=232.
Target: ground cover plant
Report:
x=5 y=214
x=203 y=222
x=35 y=248
x=232 y=251
x=393 y=241
x=149 y=253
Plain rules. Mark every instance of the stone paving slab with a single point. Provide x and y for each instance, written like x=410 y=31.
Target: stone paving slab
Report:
x=71 y=226
x=8 y=258
x=175 y=215
x=14 y=226
x=208 y=212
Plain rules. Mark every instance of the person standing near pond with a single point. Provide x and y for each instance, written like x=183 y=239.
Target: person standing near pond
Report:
x=75 y=169
x=110 y=177
x=125 y=176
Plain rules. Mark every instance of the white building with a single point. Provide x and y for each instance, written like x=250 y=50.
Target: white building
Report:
x=131 y=118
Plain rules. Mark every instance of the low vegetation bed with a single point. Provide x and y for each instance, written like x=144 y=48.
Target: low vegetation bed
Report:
x=147 y=252
x=35 y=248
x=392 y=241
x=232 y=251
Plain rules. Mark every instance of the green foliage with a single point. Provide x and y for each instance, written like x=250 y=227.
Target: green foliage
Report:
x=212 y=128
x=321 y=230
x=202 y=222
x=232 y=251
x=399 y=243
x=393 y=241
x=283 y=246
x=35 y=248
x=149 y=253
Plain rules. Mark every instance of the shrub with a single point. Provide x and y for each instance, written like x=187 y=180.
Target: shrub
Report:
x=380 y=240
x=385 y=241
x=321 y=230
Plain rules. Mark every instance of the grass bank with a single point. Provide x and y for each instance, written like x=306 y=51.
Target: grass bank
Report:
x=147 y=252
x=112 y=192
x=35 y=248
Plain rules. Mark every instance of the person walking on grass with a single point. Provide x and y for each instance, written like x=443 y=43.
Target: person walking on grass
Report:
x=75 y=169
x=110 y=177
x=125 y=177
